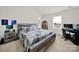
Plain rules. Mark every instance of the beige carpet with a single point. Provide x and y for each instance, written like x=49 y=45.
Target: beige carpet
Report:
x=14 y=46
x=58 y=46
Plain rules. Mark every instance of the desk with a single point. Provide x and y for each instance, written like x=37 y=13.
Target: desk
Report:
x=71 y=34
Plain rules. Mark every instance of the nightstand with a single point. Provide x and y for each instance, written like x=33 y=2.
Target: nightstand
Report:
x=9 y=36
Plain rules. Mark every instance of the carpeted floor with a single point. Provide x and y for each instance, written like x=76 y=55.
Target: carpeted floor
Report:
x=14 y=46
x=58 y=46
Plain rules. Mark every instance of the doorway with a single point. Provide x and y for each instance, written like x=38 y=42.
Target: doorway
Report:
x=57 y=24
x=45 y=25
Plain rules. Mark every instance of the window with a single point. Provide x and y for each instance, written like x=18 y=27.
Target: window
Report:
x=57 y=21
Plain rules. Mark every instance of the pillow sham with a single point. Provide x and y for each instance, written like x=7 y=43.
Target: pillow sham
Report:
x=31 y=28
x=25 y=29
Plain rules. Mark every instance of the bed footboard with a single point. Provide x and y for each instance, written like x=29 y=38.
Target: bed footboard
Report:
x=41 y=44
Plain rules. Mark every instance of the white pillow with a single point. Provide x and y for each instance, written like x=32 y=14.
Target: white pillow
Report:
x=25 y=29
x=33 y=28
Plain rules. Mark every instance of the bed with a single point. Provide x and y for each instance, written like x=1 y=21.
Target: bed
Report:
x=33 y=38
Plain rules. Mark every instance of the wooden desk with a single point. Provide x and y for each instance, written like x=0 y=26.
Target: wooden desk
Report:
x=71 y=34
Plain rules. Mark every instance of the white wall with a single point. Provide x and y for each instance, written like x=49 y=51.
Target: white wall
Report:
x=21 y=14
x=70 y=16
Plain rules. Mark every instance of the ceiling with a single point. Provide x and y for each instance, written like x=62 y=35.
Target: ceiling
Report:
x=50 y=9
x=31 y=11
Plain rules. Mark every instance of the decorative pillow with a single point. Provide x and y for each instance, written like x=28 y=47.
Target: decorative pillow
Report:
x=25 y=29
x=33 y=28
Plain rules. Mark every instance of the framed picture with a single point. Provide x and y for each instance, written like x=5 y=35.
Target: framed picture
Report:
x=9 y=26
x=4 y=22
x=13 y=22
